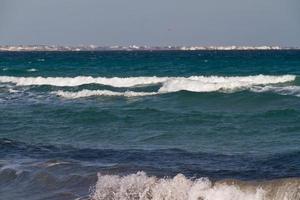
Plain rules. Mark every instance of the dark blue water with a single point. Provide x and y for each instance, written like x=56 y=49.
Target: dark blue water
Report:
x=64 y=116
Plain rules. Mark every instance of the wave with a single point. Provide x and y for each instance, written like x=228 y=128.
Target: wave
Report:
x=88 y=93
x=283 y=90
x=288 y=90
x=258 y=83
x=82 y=80
x=139 y=186
x=216 y=83
x=192 y=83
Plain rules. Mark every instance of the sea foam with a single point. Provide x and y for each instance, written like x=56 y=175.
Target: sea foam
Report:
x=88 y=93
x=283 y=90
x=139 y=186
x=170 y=83
x=82 y=80
x=258 y=83
x=216 y=83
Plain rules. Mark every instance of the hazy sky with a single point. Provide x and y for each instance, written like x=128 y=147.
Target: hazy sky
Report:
x=150 y=22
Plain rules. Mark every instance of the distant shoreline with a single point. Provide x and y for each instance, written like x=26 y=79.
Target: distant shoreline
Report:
x=30 y=48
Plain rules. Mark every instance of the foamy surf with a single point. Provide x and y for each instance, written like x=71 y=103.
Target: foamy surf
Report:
x=216 y=83
x=282 y=90
x=258 y=83
x=169 y=83
x=82 y=80
x=139 y=186
x=88 y=93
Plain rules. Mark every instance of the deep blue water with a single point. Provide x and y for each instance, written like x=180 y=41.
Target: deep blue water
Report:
x=240 y=121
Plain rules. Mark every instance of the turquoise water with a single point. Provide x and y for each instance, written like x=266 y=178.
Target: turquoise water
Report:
x=65 y=116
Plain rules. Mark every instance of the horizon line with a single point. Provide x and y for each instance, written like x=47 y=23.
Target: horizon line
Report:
x=92 y=47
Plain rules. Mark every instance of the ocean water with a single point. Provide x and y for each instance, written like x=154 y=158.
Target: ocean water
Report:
x=178 y=125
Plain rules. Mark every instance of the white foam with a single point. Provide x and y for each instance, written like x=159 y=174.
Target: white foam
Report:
x=283 y=90
x=193 y=83
x=217 y=83
x=88 y=93
x=82 y=80
x=31 y=70
x=142 y=187
x=10 y=90
x=258 y=83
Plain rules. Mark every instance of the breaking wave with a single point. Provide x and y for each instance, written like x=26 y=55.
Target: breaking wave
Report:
x=139 y=186
x=216 y=83
x=258 y=83
x=169 y=83
x=82 y=80
x=283 y=90
x=88 y=93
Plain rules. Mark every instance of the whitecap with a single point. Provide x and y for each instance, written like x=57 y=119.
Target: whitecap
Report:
x=89 y=93
x=220 y=83
x=257 y=83
x=139 y=186
x=31 y=70
x=169 y=83
x=292 y=90
x=10 y=90
x=82 y=80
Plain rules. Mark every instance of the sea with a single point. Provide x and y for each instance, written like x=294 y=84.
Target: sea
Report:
x=150 y=125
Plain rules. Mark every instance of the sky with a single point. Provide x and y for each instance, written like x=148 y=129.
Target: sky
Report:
x=150 y=22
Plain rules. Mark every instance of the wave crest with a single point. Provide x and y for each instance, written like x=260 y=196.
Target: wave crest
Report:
x=88 y=93
x=283 y=90
x=258 y=83
x=219 y=81
x=216 y=83
x=82 y=80
x=139 y=186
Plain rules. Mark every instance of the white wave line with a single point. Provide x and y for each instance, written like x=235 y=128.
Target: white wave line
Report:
x=88 y=93
x=135 y=81
x=143 y=187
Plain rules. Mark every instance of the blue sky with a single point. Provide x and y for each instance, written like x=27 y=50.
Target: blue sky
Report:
x=150 y=22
